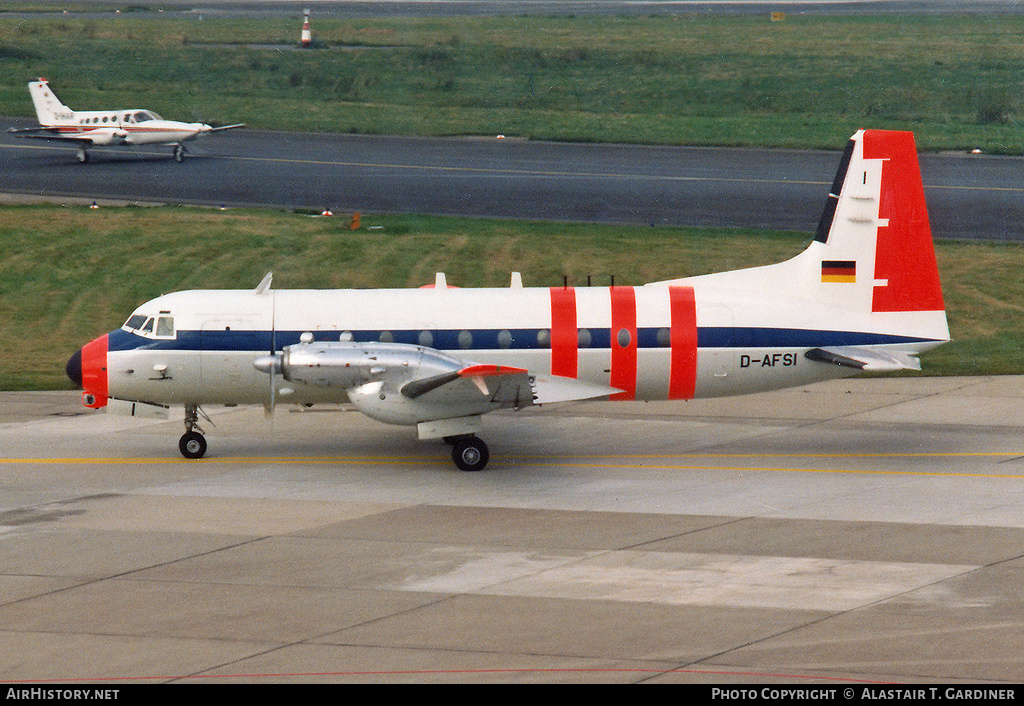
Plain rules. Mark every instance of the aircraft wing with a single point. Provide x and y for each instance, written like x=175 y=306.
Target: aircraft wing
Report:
x=401 y=383
x=504 y=385
x=499 y=383
x=867 y=359
x=225 y=127
x=549 y=389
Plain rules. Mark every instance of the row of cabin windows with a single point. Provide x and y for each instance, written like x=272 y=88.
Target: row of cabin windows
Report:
x=623 y=338
x=140 y=116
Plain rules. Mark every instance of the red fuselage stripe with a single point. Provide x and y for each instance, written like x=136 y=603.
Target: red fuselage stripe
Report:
x=623 y=330
x=564 y=334
x=683 y=340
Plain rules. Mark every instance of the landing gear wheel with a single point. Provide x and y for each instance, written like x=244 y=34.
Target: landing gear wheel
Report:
x=83 y=156
x=470 y=454
x=179 y=153
x=192 y=444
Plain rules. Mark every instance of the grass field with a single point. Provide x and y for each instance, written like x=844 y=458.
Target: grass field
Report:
x=702 y=79
x=71 y=274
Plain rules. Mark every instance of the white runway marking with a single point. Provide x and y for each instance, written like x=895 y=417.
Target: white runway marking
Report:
x=787 y=583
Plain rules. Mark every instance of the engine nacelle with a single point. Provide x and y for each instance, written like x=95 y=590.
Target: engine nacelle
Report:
x=378 y=401
x=109 y=137
x=348 y=364
x=373 y=375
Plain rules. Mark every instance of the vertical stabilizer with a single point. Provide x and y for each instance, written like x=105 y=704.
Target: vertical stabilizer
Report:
x=871 y=268
x=874 y=242
x=49 y=108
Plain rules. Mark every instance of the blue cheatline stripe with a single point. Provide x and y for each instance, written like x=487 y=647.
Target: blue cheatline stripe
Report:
x=516 y=339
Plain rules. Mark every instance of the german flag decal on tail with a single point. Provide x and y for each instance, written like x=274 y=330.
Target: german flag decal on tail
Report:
x=844 y=271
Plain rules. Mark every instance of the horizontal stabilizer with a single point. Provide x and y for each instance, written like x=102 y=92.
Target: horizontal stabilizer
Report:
x=45 y=133
x=28 y=131
x=867 y=359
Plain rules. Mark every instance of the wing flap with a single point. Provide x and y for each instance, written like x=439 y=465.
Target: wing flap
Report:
x=549 y=389
x=867 y=359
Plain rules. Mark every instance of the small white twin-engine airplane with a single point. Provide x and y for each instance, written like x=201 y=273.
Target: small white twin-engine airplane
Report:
x=865 y=295
x=87 y=128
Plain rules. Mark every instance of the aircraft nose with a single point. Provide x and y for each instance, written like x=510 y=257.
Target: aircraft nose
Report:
x=88 y=369
x=74 y=369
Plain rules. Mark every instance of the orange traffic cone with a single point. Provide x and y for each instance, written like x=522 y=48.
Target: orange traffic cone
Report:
x=307 y=36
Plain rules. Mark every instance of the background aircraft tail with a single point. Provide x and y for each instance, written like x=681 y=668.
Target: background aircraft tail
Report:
x=872 y=262
x=49 y=108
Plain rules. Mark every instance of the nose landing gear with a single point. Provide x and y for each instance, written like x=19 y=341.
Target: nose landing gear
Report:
x=192 y=443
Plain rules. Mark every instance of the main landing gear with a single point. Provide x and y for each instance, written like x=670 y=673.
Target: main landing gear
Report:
x=192 y=443
x=179 y=153
x=469 y=452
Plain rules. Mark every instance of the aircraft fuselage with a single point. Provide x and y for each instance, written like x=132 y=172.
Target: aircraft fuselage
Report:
x=124 y=127
x=648 y=343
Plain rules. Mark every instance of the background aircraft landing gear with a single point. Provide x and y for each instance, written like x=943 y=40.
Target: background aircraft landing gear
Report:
x=470 y=453
x=179 y=153
x=192 y=443
x=83 y=155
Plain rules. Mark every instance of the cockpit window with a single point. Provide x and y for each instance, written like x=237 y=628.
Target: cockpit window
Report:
x=165 y=326
x=142 y=116
x=150 y=326
x=135 y=321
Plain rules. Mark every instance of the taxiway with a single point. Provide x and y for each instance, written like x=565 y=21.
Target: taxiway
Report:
x=969 y=196
x=863 y=530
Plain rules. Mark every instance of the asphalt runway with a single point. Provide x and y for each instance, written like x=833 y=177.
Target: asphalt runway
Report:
x=864 y=531
x=969 y=196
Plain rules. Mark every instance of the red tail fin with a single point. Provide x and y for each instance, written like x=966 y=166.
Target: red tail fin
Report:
x=904 y=256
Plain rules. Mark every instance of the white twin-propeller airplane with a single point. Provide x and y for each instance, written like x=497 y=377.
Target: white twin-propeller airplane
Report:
x=87 y=128
x=865 y=295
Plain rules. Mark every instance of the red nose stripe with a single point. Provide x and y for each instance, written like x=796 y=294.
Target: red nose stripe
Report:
x=94 y=371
